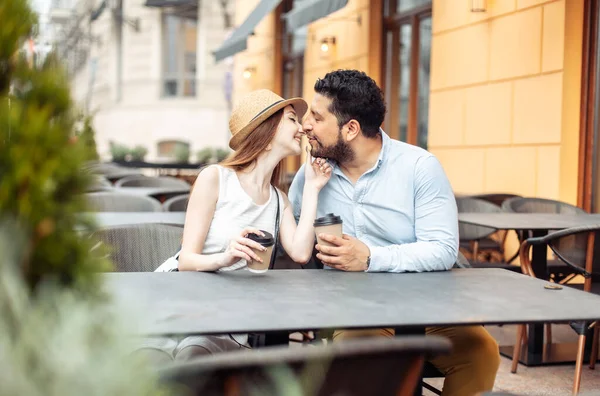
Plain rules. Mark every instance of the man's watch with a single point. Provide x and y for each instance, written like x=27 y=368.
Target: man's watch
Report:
x=368 y=263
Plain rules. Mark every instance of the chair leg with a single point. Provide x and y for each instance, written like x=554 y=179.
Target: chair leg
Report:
x=594 y=352
x=579 y=364
x=521 y=339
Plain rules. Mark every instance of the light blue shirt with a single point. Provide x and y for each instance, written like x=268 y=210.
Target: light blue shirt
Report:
x=403 y=209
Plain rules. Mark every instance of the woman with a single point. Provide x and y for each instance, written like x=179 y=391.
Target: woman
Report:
x=238 y=197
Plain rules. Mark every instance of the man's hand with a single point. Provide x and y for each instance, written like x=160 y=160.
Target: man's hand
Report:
x=348 y=254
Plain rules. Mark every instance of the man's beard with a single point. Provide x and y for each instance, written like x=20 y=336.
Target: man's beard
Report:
x=340 y=152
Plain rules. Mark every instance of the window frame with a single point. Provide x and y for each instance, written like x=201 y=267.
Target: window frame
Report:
x=392 y=22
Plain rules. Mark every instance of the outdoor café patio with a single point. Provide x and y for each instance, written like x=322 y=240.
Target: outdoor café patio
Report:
x=539 y=301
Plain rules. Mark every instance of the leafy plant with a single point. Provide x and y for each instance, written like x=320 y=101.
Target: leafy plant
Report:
x=138 y=153
x=221 y=154
x=54 y=342
x=118 y=151
x=86 y=135
x=182 y=154
x=205 y=155
x=58 y=335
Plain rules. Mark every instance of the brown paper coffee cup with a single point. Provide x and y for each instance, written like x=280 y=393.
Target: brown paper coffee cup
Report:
x=266 y=241
x=328 y=224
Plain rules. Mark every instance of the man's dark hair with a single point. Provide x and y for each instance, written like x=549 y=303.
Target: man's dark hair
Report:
x=354 y=95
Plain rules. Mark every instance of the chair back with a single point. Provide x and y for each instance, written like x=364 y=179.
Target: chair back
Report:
x=540 y=205
x=176 y=204
x=468 y=232
x=140 y=247
x=495 y=198
x=145 y=181
x=120 y=202
x=367 y=366
x=99 y=183
x=576 y=247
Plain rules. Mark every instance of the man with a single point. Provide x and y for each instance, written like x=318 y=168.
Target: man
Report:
x=398 y=210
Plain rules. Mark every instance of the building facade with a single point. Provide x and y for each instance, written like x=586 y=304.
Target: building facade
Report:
x=495 y=89
x=145 y=70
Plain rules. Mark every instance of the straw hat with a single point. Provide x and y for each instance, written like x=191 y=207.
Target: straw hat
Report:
x=255 y=108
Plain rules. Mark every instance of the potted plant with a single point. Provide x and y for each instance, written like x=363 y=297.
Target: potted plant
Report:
x=138 y=153
x=118 y=152
x=205 y=155
x=221 y=154
x=182 y=154
x=58 y=334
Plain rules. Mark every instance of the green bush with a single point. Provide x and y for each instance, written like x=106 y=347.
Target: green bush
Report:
x=182 y=154
x=221 y=154
x=138 y=153
x=86 y=135
x=205 y=155
x=119 y=152
x=58 y=336
x=39 y=162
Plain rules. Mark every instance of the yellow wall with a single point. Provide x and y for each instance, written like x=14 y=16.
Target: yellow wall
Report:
x=259 y=55
x=504 y=105
x=352 y=48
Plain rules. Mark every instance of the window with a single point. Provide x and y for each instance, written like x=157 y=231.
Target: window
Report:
x=406 y=69
x=179 y=55
x=169 y=148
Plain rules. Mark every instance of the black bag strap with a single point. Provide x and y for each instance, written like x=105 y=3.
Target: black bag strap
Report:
x=276 y=236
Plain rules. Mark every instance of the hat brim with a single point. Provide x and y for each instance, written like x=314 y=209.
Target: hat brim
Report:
x=299 y=104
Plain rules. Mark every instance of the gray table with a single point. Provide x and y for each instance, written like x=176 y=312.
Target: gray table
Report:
x=113 y=219
x=538 y=224
x=160 y=193
x=290 y=300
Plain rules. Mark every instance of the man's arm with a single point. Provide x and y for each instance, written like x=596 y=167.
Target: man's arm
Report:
x=436 y=227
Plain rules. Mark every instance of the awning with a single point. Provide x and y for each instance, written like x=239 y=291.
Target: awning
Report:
x=238 y=41
x=309 y=11
x=183 y=8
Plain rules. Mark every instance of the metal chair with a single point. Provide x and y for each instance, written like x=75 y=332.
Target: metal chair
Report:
x=119 y=202
x=145 y=181
x=557 y=270
x=476 y=238
x=370 y=366
x=176 y=204
x=539 y=205
x=576 y=247
x=140 y=247
x=495 y=198
x=99 y=183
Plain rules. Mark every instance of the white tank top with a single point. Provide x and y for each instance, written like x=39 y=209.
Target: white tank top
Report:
x=235 y=211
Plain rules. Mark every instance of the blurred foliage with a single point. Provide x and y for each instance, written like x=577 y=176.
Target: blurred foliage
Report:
x=221 y=154
x=182 y=154
x=87 y=137
x=55 y=343
x=40 y=159
x=211 y=155
x=58 y=336
x=138 y=153
x=119 y=152
x=205 y=155
x=16 y=23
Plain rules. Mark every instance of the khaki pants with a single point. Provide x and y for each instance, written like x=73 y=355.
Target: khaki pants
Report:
x=471 y=366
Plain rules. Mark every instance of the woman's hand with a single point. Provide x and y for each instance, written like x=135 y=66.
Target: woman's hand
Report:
x=242 y=247
x=318 y=172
